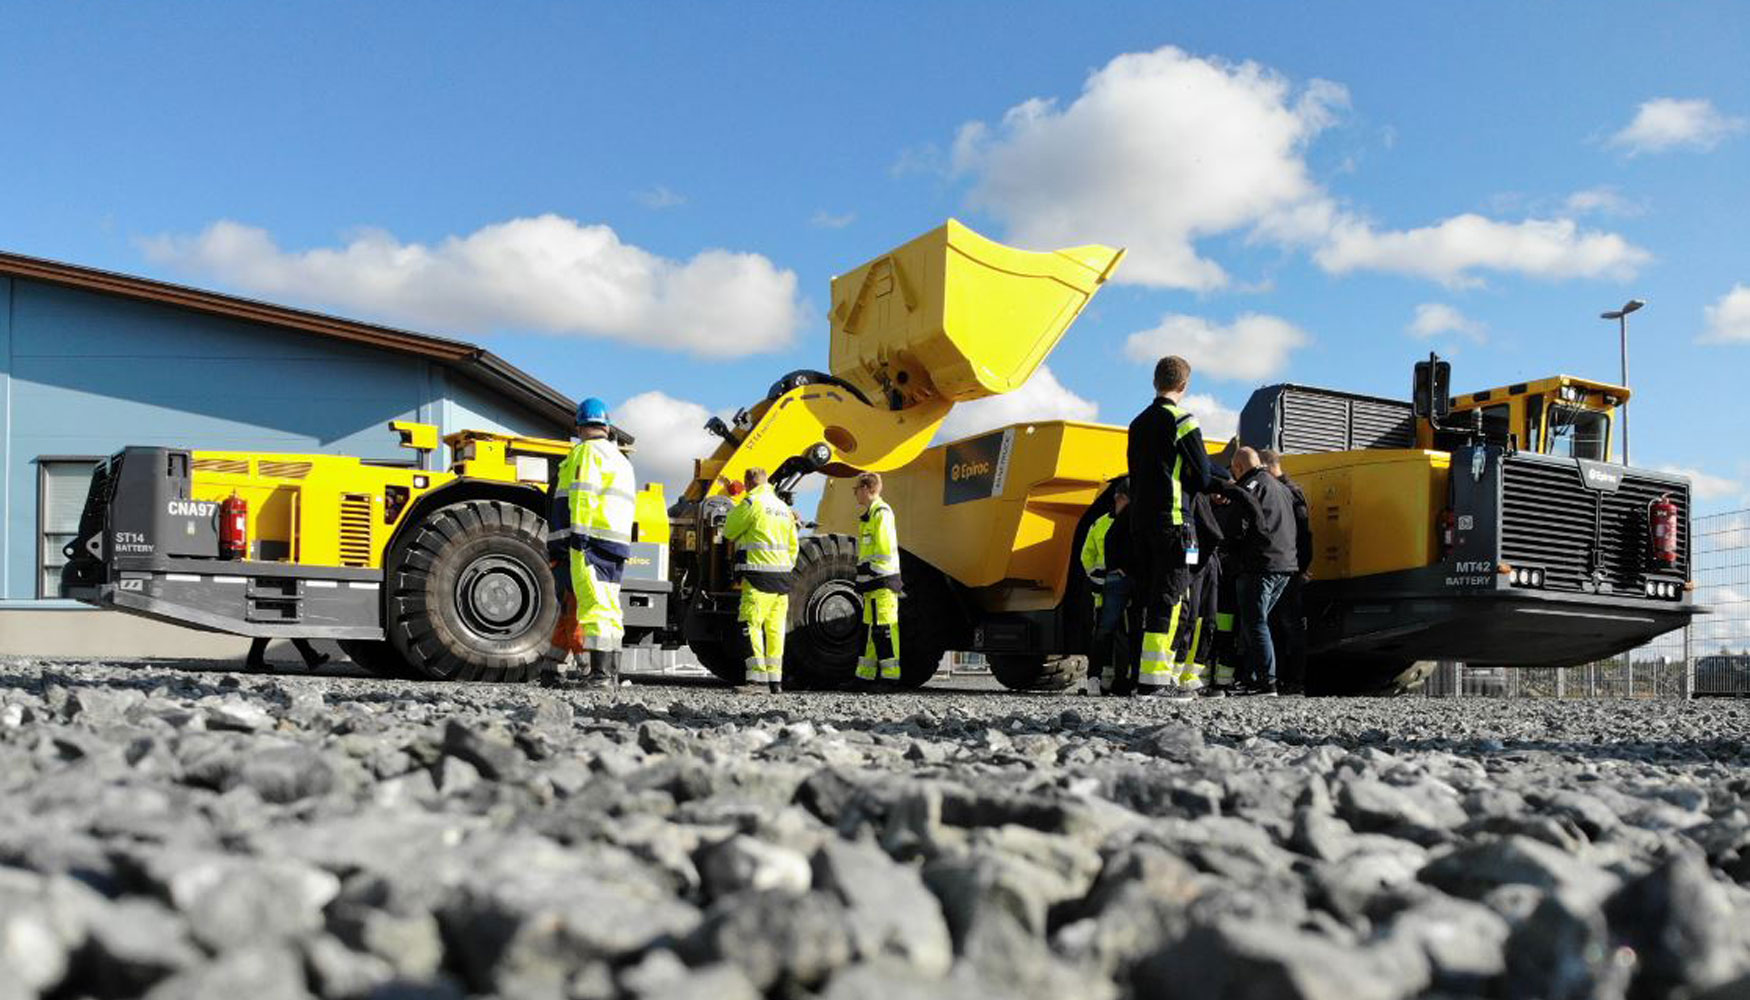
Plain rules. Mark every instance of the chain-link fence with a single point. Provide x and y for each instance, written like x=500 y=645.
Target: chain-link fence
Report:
x=1716 y=646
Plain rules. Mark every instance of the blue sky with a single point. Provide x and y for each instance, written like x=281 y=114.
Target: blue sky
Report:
x=637 y=199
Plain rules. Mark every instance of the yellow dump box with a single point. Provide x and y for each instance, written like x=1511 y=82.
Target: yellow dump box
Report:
x=954 y=316
x=997 y=512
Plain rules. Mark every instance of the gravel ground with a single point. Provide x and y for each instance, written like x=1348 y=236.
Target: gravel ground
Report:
x=187 y=833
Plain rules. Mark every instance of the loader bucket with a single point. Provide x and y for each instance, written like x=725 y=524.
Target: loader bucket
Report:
x=953 y=316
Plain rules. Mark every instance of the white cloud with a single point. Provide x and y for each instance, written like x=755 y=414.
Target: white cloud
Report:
x=1666 y=123
x=547 y=274
x=1042 y=397
x=1706 y=485
x=1434 y=318
x=1601 y=200
x=824 y=219
x=1160 y=149
x=1728 y=320
x=660 y=197
x=1163 y=149
x=1251 y=347
x=1217 y=421
x=1451 y=251
x=670 y=433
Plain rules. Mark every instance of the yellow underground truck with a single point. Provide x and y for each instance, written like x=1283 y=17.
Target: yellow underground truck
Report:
x=444 y=574
x=1489 y=529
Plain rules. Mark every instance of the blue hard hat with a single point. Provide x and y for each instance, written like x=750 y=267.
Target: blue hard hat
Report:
x=592 y=412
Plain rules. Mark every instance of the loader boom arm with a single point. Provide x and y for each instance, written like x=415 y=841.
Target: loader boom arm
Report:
x=948 y=317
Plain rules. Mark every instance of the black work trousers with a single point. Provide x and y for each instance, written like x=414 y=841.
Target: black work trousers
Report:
x=1163 y=580
x=1288 y=632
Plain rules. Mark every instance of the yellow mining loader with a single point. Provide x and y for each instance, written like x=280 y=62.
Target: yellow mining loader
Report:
x=444 y=575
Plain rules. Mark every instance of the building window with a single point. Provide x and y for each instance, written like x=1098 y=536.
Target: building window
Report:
x=61 y=487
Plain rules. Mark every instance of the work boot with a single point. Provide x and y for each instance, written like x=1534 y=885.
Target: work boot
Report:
x=554 y=671
x=776 y=687
x=604 y=669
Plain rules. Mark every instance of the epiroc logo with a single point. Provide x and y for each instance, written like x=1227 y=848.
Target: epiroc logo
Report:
x=1600 y=477
x=976 y=468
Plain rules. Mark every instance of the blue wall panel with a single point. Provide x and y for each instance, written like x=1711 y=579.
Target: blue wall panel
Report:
x=87 y=374
x=6 y=498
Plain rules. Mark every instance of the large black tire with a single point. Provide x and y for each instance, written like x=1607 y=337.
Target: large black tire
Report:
x=826 y=615
x=1365 y=676
x=1036 y=671
x=930 y=621
x=377 y=656
x=471 y=597
x=725 y=658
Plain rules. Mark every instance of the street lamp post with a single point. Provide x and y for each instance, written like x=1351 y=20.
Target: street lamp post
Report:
x=1621 y=317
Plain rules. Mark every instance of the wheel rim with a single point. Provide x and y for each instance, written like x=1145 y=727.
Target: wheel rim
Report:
x=836 y=611
x=497 y=597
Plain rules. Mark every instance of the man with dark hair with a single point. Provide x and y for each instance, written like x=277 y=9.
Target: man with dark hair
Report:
x=1288 y=622
x=1266 y=561
x=1168 y=466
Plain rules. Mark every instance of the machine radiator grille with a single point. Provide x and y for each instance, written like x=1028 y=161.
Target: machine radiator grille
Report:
x=1314 y=421
x=283 y=470
x=226 y=466
x=1584 y=539
x=355 y=529
x=1381 y=425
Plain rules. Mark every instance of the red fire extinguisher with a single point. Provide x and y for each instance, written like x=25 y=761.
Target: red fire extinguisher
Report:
x=233 y=527
x=1662 y=531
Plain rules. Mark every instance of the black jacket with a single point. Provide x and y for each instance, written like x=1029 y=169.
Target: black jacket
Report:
x=1303 y=540
x=1118 y=543
x=1266 y=537
x=1154 y=447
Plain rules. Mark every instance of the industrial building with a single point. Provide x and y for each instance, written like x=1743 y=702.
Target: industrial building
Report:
x=91 y=361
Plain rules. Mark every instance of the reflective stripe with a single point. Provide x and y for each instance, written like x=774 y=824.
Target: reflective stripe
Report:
x=604 y=491
x=785 y=567
x=605 y=534
x=1224 y=621
x=763 y=547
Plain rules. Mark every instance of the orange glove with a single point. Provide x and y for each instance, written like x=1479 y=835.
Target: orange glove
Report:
x=566 y=634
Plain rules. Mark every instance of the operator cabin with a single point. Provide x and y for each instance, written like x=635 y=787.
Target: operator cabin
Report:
x=91 y=361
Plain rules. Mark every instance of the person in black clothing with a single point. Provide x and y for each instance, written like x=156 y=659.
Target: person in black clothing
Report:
x=1111 y=668
x=1288 y=622
x=1266 y=561
x=1168 y=466
x=1199 y=628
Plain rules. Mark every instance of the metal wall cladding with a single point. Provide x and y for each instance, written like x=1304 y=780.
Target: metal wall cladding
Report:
x=1314 y=422
x=1549 y=518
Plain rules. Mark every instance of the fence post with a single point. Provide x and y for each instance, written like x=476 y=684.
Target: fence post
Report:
x=1688 y=668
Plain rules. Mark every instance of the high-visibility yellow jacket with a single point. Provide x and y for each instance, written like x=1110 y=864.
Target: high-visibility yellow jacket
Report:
x=764 y=534
x=1094 y=551
x=594 y=503
x=878 y=549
